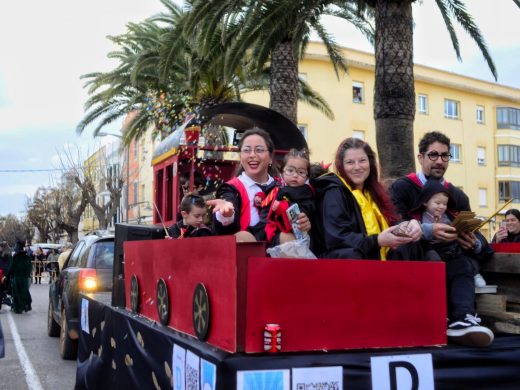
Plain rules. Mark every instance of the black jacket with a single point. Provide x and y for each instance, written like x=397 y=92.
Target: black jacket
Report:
x=230 y=193
x=510 y=238
x=406 y=192
x=179 y=229
x=339 y=230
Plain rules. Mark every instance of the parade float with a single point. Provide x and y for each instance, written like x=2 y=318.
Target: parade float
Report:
x=210 y=313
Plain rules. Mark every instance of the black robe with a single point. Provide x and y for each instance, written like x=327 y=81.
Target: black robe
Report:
x=228 y=192
x=180 y=229
x=339 y=230
x=20 y=274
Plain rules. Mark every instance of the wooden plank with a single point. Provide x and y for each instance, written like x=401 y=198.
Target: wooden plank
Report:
x=508 y=284
x=491 y=302
x=503 y=263
x=504 y=327
x=501 y=322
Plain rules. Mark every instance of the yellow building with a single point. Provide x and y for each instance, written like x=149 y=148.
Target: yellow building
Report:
x=91 y=168
x=140 y=207
x=485 y=145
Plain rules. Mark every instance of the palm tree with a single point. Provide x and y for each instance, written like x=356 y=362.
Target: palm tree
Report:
x=125 y=89
x=275 y=32
x=394 y=98
x=163 y=73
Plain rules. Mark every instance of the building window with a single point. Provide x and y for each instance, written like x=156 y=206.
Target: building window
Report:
x=508 y=118
x=136 y=192
x=422 y=104
x=480 y=114
x=508 y=156
x=359 y=134
x=134 y=146
x=303 y=130
x=357 y=92
x=508 y=190
x=451 y=109
x=481 y=156
x=455 y=152
x=482 y=197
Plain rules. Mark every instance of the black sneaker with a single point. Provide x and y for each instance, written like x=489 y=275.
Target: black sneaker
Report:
x=469 y=332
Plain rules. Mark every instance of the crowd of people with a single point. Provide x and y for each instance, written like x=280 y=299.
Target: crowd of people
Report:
x=350 y=214
x=19 y=266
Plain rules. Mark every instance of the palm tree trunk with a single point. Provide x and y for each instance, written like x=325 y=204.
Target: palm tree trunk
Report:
x=394 y=98
x=283 y=86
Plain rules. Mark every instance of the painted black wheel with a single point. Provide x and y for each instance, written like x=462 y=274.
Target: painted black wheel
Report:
x=163 y=302
x=134 y=294
x=200 y=312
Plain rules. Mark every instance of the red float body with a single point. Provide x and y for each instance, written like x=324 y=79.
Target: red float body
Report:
x=319 y=304
x=506 y=247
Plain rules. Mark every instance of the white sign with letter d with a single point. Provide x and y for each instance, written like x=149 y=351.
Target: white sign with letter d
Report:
x=402 y=372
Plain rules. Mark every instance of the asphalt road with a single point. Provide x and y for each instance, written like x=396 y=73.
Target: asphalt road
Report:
x=32 y=360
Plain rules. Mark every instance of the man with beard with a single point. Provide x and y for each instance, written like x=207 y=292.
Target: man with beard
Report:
x=434 y=156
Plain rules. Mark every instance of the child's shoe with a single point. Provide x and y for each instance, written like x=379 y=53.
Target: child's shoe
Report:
x=479 y=281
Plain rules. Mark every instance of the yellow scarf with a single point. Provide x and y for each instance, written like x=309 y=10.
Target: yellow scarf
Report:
x=373 y=219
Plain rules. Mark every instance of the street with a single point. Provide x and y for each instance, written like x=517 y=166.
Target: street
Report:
x=32 y=359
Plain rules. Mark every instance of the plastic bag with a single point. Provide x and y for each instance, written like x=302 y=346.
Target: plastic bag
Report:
x=295 y=249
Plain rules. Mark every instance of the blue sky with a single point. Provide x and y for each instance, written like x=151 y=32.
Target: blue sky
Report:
x=48 y=45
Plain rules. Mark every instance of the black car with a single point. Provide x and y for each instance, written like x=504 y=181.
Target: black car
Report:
x=87 y=269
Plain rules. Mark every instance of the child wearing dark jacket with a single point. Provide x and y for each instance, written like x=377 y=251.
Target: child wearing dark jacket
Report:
x=295 y=189
x=434 y=205
x=193 y=213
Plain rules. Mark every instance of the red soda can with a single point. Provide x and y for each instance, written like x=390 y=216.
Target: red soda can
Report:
x=272 y=338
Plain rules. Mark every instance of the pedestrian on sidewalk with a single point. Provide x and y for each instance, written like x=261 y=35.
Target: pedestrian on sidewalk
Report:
x=6 y=260
x=20 y=275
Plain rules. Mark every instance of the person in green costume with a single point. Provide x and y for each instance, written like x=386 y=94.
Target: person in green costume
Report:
x=20 y=274
x=6 y=260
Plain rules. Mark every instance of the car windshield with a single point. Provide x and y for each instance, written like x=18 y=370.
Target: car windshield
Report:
x=104 y=254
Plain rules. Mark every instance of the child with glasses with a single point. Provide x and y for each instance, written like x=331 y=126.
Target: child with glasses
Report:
x=295 y=189
x=193 y=213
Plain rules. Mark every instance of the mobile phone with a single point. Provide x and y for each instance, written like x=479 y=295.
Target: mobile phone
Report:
x=292 y=213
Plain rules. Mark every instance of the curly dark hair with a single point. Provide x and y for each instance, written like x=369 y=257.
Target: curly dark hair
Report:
x=430 y=138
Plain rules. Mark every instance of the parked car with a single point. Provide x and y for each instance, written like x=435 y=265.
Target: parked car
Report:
x=87 y=269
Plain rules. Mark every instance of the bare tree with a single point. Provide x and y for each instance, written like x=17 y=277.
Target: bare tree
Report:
x=13 y=228
x=101 y=183
x=111 y=184
x=69 y=203
x=39 y=212
x=104 y=185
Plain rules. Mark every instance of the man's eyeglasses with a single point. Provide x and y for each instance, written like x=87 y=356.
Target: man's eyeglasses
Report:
x=434 y=156
x=291 y=171
x=256 y=150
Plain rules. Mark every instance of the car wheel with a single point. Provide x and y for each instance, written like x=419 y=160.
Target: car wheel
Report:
x=68 y=347
x=53 y=329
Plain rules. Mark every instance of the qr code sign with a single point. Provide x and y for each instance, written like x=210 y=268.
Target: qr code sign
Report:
x=192 y=378
x=318 y=386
